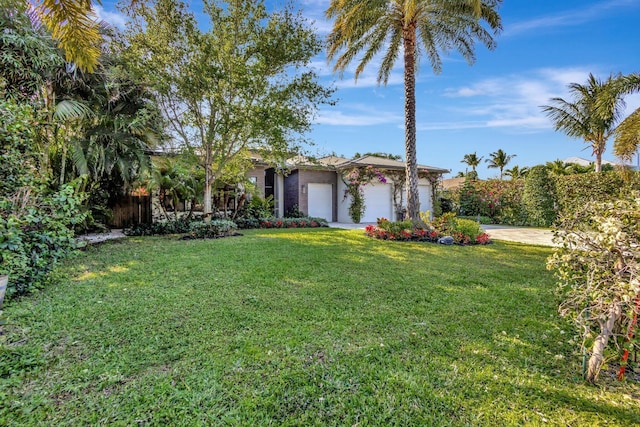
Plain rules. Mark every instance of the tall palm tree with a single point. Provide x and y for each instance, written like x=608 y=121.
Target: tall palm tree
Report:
x=517 y=172
x=593 y=113
x=472 y=160
x=499 y=160
x=389 y=27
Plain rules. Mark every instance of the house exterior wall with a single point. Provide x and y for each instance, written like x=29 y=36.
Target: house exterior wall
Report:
x=258 y=173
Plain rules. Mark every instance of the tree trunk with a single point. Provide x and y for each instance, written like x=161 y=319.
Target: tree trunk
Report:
x=413 y=202
x=598 y=162
x=207 y=185
x=597 y=354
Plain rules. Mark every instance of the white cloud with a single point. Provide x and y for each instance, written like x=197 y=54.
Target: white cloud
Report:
x=510 y=101
x=115 y=19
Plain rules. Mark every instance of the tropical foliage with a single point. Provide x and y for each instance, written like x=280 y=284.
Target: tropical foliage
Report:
x=594 y=112
x=472 y=160
x=499 y=160
x=364 y=29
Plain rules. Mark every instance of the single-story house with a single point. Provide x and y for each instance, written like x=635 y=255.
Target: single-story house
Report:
x=312 y=186
x=316 y=187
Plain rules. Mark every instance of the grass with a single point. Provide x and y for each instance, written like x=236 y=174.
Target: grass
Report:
x=300 y=327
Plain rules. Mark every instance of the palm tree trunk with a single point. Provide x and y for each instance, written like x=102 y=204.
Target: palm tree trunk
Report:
x=599 y=161
x=413 y=202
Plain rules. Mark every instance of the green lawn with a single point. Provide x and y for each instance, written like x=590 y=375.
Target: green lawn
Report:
x=300 y=327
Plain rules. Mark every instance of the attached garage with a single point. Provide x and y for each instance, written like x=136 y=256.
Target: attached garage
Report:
x=320 y=201
x=424 y=192
x=378 y=199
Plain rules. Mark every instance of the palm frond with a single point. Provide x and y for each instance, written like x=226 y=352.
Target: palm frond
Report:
x=73 y=24
x=627 y=137
x=70 y=109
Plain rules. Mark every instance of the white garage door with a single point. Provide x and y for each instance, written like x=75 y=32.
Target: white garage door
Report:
x=378 y=199
x=424 y=192
x=321 y=201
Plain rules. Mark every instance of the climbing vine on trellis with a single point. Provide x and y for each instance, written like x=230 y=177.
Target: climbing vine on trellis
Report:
x=355 y=180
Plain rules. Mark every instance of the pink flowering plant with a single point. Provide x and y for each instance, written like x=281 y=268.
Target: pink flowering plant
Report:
x=463 y=232
x=355 y=180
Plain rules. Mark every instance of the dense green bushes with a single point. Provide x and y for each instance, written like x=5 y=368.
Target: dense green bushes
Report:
x=201 y=229
x=36 y=222
x=540 y=198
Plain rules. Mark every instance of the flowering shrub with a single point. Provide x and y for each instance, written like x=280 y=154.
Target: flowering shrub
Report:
x=464 y=232
x=355 y=180
x=598 y=272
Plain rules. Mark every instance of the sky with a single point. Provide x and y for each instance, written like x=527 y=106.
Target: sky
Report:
x=492 y=104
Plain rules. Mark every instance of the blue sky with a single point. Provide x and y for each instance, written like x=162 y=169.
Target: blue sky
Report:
x=493 y=104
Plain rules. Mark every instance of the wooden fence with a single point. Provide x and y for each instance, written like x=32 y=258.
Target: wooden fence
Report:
x=131 y=210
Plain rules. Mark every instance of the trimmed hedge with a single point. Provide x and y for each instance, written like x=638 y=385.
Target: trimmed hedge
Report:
x=543 y=200
x=539 y=197
x=212 y=229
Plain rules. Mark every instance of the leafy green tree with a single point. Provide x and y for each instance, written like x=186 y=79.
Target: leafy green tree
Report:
x=499 y=160
x=364 y=29
x=594 y=111
x=472 y=160
x=28 y=53
x=244 y=84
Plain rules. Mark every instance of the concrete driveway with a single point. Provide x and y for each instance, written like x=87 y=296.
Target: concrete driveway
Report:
x=531 y=236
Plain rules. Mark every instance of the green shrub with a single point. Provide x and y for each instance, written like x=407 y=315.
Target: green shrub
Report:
x=305 y=222
x=257 y=208
x=179 y=226
x=575 y=191
x=36 y=231
x=212 y=229
x=483 y=219
x=538 y=197
x=468 y=228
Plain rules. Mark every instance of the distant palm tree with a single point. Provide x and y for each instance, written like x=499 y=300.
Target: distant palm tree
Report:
x=594 y=112
x=472 y=160
x=557 y=167
x=362 y=29
x=517 y=172
x=499 y=160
